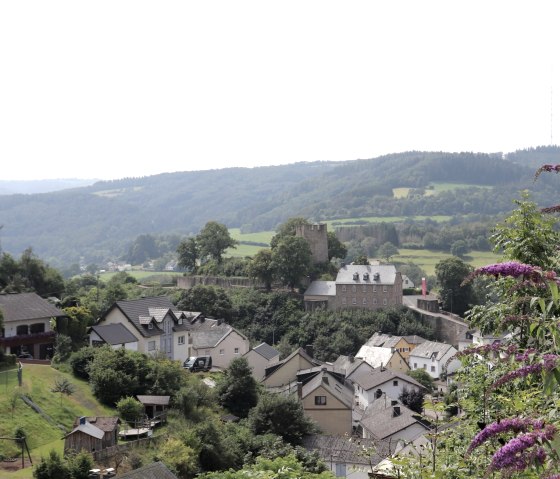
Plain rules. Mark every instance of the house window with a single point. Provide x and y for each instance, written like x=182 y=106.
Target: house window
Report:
x=374 y=300
x=222 y=351
x=384 y=289
x=180 y=321
x=415 y=366
x=236 y=351
x=320 y=400
x=425 y=366
x=151 y=345
x=354 y=288
x=150 y=326
x=354 y=301
x=344 y=288
x=22 y=330
x=364 y=301
x=343 y=300
x=384 y=301
x=433 y=369
x=374 y=289
x=181 y=340
x=364 y=288
x=395 y=383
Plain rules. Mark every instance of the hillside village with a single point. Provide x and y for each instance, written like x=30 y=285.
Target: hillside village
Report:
x=322 y=366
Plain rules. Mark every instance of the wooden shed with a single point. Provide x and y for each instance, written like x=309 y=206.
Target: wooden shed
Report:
x=92 y=434
x=154 y=406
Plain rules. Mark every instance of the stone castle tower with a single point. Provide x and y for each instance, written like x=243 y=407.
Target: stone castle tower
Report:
x=316 y=236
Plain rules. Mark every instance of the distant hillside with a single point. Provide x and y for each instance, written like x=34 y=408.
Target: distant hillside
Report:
x=99 y=221
x=12 y=187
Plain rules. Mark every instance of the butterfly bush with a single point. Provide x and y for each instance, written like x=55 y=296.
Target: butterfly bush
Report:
x=516 y=425
x=512 y=269
x=547 y=363
x=520 y=452
x=548 y=169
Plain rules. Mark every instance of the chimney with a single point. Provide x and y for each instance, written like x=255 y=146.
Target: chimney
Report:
x=351 y=359
x=396 y=411
x=309 y=349
x=300 y=390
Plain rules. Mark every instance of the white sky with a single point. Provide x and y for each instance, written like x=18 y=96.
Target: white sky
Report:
x=109 y=89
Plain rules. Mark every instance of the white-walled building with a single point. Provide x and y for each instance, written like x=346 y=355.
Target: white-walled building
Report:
x=436 y=358
x=260 y=358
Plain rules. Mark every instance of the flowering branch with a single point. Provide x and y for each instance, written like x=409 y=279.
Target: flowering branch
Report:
x=548 y=169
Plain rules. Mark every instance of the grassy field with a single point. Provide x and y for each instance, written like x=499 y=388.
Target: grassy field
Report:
x=44 y=435
x=435 y=188
x=427 y=260
x=381 y=219
x=143 y=276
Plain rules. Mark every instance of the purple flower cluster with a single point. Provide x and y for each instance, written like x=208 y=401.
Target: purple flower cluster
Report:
x=506 y=425
x=512 y=269
x=551 y=209
x=515 y=455
x=548 y=169
x=496 y=347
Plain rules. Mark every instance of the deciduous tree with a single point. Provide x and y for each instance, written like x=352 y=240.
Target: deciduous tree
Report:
x=291 y=260
x=237 y=391
x=214 y=239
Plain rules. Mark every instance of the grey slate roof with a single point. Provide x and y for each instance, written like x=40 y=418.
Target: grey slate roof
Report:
x=431 y=348
x=348 y=450
x=321 y=288
x=379 y=420
x=156 y=470
x=266 y=351
x=114 y=334
x=105 y=423
x=348 y=364
x=387 y=274
x=27 y=306
x=134 y=309
x=208 y=335
x=378 y=376
x=270 y=370
x=154 y=400
x=88 y=429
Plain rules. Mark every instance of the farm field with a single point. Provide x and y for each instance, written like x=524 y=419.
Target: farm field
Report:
x=427 y=259
x=141 y=275
x=435 y=188
x=332 y=224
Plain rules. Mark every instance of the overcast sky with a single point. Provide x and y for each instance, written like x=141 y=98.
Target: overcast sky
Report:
x=110 y=89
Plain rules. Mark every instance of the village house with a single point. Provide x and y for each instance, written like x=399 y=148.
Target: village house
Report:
x=435 y=358
x=391 y=421
x=382 y=383
x=357 y=286
x=260 y=358
x=27 y=325
x=402 y=344
x=328 y=401
x=285 y=372
x=353 y=458
x=352 y=366
x=386 y=357
x=162 y=329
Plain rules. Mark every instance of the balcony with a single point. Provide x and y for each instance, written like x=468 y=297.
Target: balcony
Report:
x=24 y=339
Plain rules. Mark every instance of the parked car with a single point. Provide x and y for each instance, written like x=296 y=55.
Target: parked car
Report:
x=198 y=363
x=25 y=356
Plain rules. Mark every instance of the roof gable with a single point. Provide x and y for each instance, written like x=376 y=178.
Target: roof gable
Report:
x=432 y=349
x=266 y=351
x=114 y=333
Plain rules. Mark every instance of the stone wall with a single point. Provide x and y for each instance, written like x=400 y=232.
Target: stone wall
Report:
x=187 y=282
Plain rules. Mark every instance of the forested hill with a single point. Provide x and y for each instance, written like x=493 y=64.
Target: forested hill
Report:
x=99 y=221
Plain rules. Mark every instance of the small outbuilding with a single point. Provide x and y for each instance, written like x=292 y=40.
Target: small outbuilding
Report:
x=92 y=434
x=154 y=406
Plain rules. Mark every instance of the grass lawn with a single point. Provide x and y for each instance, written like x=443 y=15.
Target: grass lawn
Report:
x=142 y=275
x=427 y=259
x=44 y=435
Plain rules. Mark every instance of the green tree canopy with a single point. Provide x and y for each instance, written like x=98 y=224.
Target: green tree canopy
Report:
x=237 y=391
x=262 y=267
x=336 y=248
x=280 y=415
x=214 y=239
x=288 y=228
x=188 y=253
x=455 y=296
x=291 y=260
x=387 y=250
x=210 y=300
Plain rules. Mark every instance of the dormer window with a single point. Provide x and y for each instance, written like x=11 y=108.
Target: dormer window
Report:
x=180 y=321
x=366 y=276
x=150 y=325
x=355 y=276
x=376 y=276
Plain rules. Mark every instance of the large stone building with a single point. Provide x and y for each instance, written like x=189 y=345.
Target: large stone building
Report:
x=357 y=286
